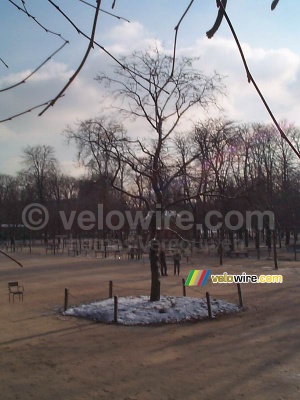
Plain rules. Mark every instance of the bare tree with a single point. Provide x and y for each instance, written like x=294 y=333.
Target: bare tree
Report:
x=40 y=164
x=162 y=104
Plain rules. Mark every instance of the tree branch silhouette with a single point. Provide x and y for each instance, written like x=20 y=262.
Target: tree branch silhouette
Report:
x=90 y=47
x=221 y=4
x=274 y=4
x=219 y=19
x=33 y=72
x=251 y=79
x=11 y=258
x=92 y=42
x=4 y=63
x=25 y=112
x=104 y=11
x=176 y=34
x=36 y=21
x=79 y=31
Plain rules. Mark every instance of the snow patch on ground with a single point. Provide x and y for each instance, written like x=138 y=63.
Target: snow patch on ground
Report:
x=140 y=311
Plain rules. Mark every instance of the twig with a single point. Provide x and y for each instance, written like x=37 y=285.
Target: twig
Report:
x=4 y=63
x=218 y=21
x=6 y=255
x=176 y=34
x=104 y=11
x=90 y=46
x=274 y=4
x=36 y=21
x=220 y=15
x=25 y=112
x=33 y=72
x=24 y=5
x=251 y=79
x=124 y=67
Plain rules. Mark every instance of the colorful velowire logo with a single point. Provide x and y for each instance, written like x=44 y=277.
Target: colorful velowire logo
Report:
x=197 y=277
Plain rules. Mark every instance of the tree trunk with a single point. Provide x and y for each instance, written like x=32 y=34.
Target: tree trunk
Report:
x=246 y=238
x=287 y=237
x=257 y=243
x=275 y=249
x=155 y=276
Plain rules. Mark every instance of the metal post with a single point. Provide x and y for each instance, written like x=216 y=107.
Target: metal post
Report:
x=208 y=305
x=115 y=309
x=183 y=287
x=110 y=295
x=66 y=299
x=240 y=295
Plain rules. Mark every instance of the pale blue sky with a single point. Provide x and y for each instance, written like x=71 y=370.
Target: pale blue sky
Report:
x=270 y=40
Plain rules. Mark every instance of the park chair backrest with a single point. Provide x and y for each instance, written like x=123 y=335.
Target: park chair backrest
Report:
x=11 y=285
x=15 y=290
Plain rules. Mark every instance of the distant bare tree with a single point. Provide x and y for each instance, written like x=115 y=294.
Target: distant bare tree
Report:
x=40 y=164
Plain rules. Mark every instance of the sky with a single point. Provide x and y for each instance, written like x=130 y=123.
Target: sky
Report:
x=268 y=38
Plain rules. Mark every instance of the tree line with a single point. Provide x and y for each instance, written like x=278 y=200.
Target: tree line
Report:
x=219 y=165
x=175 y=160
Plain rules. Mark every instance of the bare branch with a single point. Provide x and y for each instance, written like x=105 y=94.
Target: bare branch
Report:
x=4 y=63
x=251 y=79
x=79 y=31
x=218 y=22
x=90 y=46
x=36 y=21
x=121 y=190
x=33 y=72
x=209 y=193
x=144 y=150
x=25 y=112
x=11 y=258
x=24 y=5
x=176 y=34
x=274 y=4
x=104 y=11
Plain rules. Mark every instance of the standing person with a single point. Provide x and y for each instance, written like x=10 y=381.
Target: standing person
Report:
x=177 y=259
x=163 y=263
x=12 y=244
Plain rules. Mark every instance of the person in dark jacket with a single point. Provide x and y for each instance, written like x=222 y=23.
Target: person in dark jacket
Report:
x=177 y=259
x=163 y=263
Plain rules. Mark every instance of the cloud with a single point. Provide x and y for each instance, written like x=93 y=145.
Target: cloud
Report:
x=277 y=73
x=125 y=38
x=71 y=168
x=80 y=101
x=51 y=70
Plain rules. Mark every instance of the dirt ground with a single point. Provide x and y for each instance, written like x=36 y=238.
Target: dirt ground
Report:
x=44 y=355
